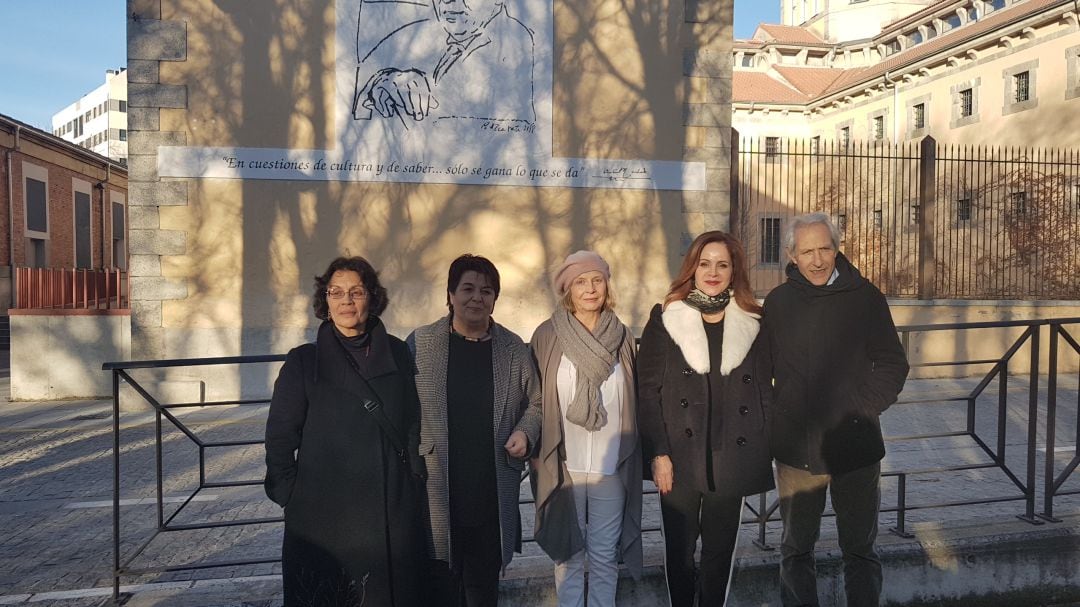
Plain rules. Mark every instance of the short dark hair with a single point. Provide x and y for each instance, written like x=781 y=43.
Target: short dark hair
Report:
x=376 y=293
x=474 y=263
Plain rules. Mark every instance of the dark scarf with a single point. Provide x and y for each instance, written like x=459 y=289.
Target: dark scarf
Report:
x=708 y=304
x=370 y=351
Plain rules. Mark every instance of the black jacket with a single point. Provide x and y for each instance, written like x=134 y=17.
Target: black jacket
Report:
x=837 y=364
x=673 y=400
x=352 y=505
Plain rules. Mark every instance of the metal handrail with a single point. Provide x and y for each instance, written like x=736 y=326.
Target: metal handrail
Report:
x=762 y=512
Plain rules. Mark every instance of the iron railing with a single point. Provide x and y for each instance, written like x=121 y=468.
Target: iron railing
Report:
x=919 y=219
x=761 y=511
x=1053 y=482
x=71 y=289
x=122 y=565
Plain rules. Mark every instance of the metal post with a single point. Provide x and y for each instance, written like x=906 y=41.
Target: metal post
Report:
x=901 y=507
x=116 y=485
x=763 y=518
x=1051 y=427
x=1003 y=404
x=1033 y=420
x=734 y=216
x=158 y=457
x=927 y=215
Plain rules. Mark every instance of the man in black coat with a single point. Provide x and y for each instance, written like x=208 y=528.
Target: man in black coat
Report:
x=837 y=365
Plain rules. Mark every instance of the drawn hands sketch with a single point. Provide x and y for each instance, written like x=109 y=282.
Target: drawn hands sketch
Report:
x=393 y=92
x=450 y=59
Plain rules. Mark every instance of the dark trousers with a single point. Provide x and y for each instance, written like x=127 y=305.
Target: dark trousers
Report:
x=472 y=580
x=688 y=514
x=856 y=499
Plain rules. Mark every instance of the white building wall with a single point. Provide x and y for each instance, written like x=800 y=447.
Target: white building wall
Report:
x=98 y=120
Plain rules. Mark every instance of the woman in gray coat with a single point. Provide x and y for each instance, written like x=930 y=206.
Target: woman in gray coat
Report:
x=589 y=457
x=480 y=415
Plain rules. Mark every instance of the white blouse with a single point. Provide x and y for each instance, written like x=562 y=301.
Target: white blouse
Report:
x=592 y=452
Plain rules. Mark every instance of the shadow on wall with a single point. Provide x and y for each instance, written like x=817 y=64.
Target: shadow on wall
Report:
x=614 y=96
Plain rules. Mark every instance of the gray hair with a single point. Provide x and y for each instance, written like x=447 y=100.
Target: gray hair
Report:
x=809 y=219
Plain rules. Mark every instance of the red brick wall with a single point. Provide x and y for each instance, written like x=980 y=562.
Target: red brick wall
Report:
x=5 y=206
x=60 y=245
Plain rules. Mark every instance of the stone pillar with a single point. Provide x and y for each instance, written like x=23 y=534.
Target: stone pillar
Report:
x=707 y=116
x=150 y=40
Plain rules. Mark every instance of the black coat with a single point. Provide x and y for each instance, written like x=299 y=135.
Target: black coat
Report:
x=673 y=400
x=838 y=364
x=353 y=530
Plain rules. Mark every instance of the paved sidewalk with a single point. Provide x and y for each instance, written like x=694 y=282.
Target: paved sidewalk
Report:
x=56 y=508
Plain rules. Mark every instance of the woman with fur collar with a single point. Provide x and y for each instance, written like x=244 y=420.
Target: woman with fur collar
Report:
x=703 y=391
x=589 y=457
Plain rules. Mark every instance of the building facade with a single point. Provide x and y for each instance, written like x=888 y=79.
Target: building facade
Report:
x=61 y=206
x=944 y=142
x=222 y=265
x=1005 y=72
x=98 y=120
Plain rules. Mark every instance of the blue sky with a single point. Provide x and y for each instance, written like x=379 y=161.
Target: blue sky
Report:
x=54 y=51
x=749 y=13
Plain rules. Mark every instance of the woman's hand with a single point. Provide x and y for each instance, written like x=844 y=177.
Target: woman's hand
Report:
x=663 y=473
x=518 y=444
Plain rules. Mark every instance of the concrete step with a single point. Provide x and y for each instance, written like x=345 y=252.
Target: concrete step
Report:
x=985 y=562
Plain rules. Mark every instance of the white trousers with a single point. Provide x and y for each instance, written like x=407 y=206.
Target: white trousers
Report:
x=600 y=497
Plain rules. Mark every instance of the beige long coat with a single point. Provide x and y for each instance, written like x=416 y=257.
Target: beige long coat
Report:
x=556 y=528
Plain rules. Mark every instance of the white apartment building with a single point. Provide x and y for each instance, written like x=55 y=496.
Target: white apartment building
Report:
x=98 y=120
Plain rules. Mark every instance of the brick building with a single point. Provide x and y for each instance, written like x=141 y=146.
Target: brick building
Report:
x=61 y=206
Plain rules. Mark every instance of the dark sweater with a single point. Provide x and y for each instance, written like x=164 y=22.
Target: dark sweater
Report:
x=837 y=365
x=714 y=332
x=470 y=406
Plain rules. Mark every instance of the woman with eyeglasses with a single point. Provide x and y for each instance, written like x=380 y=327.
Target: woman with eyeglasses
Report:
x=341 y=439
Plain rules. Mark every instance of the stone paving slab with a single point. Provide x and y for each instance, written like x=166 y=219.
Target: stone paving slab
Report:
x=56 y=492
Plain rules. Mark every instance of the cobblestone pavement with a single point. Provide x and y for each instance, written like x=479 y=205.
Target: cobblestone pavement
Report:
x=56 y=492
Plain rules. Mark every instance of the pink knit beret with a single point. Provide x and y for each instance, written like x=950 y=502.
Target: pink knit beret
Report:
x=575 y=265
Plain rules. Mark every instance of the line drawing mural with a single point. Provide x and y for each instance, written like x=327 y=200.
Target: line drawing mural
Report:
x=439 y=91
x=446 y=59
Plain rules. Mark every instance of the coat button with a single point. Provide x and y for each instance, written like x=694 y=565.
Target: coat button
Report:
x=689 y=433
x=744 y=410
x=746 y=379
x=740 y=441
x=688 y=371
x=685 y=403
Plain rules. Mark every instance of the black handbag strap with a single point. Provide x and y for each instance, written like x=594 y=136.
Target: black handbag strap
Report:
x=375 y=409
x=373 y=405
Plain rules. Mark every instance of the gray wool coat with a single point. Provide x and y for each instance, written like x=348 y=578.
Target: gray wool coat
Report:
x=517 y=407
x=556 y=527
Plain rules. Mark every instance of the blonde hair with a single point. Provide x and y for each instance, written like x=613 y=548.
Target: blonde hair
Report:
x=609 y=299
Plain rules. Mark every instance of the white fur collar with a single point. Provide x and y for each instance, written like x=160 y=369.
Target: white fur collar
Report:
x=686 y=328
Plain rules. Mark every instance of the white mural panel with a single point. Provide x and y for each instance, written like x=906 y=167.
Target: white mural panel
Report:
x=439 y=91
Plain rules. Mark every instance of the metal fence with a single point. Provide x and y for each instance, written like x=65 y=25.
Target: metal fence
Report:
x=919 y=219
x=1023 y=482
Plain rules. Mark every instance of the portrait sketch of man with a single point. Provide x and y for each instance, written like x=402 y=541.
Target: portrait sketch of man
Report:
x=445 y=59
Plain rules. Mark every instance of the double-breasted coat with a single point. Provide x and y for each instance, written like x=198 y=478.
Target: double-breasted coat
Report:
x=353 y=527
x=517 y=407
x=673 y=399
